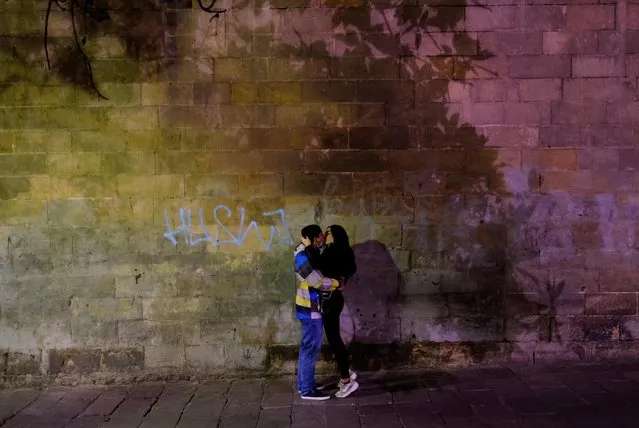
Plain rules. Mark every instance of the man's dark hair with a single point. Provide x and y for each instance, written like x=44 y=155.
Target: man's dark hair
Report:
x=311 y=231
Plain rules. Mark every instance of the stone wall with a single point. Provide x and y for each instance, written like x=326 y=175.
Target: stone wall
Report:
x=481 y=156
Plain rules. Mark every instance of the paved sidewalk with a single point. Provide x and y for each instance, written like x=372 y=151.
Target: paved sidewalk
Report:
x=579 y=396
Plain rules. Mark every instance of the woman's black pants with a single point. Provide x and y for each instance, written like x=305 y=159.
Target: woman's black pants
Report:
x=331 y=311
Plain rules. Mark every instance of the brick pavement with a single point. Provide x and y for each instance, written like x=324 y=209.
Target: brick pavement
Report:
x=509 y=397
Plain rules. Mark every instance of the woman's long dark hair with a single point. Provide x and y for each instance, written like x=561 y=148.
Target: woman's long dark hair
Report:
x=340 y=237
x=339 y=258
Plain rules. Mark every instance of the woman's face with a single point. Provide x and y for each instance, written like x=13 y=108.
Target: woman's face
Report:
x=328 y=236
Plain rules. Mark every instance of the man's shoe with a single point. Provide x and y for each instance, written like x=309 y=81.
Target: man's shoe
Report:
x=353 y=374
x=316 y=396
x=346 y=389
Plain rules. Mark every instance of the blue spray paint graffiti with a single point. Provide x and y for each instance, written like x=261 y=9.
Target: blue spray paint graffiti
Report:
x=222 y=234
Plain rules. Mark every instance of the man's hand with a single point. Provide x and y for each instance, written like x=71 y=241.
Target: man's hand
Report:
x=306 y=241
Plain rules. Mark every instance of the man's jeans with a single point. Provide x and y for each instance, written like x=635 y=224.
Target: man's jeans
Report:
x=309 y=352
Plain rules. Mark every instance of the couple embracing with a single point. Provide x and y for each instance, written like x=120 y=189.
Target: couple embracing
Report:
x=323 y=264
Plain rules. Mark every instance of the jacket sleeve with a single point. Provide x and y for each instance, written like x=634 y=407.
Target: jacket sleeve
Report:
x=314 y=277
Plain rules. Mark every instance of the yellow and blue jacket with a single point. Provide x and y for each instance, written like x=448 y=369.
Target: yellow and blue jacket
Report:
x=310 y=282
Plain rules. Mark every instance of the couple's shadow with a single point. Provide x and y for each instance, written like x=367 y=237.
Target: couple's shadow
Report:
x=372 y=331
x=369 y=324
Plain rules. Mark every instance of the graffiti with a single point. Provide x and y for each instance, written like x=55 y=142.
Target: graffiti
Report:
x=376 y=203
x=223 y=235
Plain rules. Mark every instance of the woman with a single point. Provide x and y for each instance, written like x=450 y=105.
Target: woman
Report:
x=337 y=261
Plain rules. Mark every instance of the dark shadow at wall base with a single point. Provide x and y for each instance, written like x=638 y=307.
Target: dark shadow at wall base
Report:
x=444 y=355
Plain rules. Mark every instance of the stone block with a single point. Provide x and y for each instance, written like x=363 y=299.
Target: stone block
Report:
x=527 y=113
x=611 y=304
x=205 y=357
x=512 y=42
x=352 y=161
x=579 y=113
x=165 y=332
x=21 y=363
x=550 y=159
x=74 y=361
x=168 y=93
x=618 y=279
x=241 y=116
x=534 y=66
x=623 y=112
x=34 y=141
x=485 y=113
x=178 y=308
x=599 y=89
x=510 y=136
x=597 y=66
x=329 y=91
x=188 y=116
x=425 y=160
x=576 y=280
x=78 y=212
x=301 y=69
x=590 y=17
x=245 y=356
x=118 y=94
x=90 y=332
x=206 y=93
x=267 y=93
x=383 y=91
x=482 y=19
x=127 y=163
x=23 y=164
x=568 y=42
x=163 y=356
x=157 y=186
x=440 y=68
x=122 y=359
x=74 y=163
x=360 y=68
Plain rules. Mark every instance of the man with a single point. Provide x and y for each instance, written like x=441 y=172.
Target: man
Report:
x=310 y=282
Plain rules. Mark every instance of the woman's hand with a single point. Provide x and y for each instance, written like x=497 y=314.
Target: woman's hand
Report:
x=306 y=241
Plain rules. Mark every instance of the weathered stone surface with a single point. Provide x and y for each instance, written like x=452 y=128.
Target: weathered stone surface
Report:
x=481 y=159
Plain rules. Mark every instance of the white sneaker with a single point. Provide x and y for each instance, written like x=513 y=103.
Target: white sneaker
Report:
x=353 y=374
x=346 y=389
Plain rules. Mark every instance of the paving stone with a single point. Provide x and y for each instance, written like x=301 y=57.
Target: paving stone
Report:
x=12 y=402
x=463 y=423
x=380 y=421
x=509 y=388
x=377 y=409
x=240 y=415
x=536 y=421
x=277 y=399
x=527 y=405
x=373 y=395
x=86 y=422
x=312 y=416
x=493 y=412
x=203 y=408
x=246 y=391
x=345 y=416
x=167 y=410
x=131 y=411
x=419 y=395
x=275 y=418
x=480 y=397
x=558 y=396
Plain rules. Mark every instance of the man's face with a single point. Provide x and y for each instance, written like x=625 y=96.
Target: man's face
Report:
x=319 y=241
